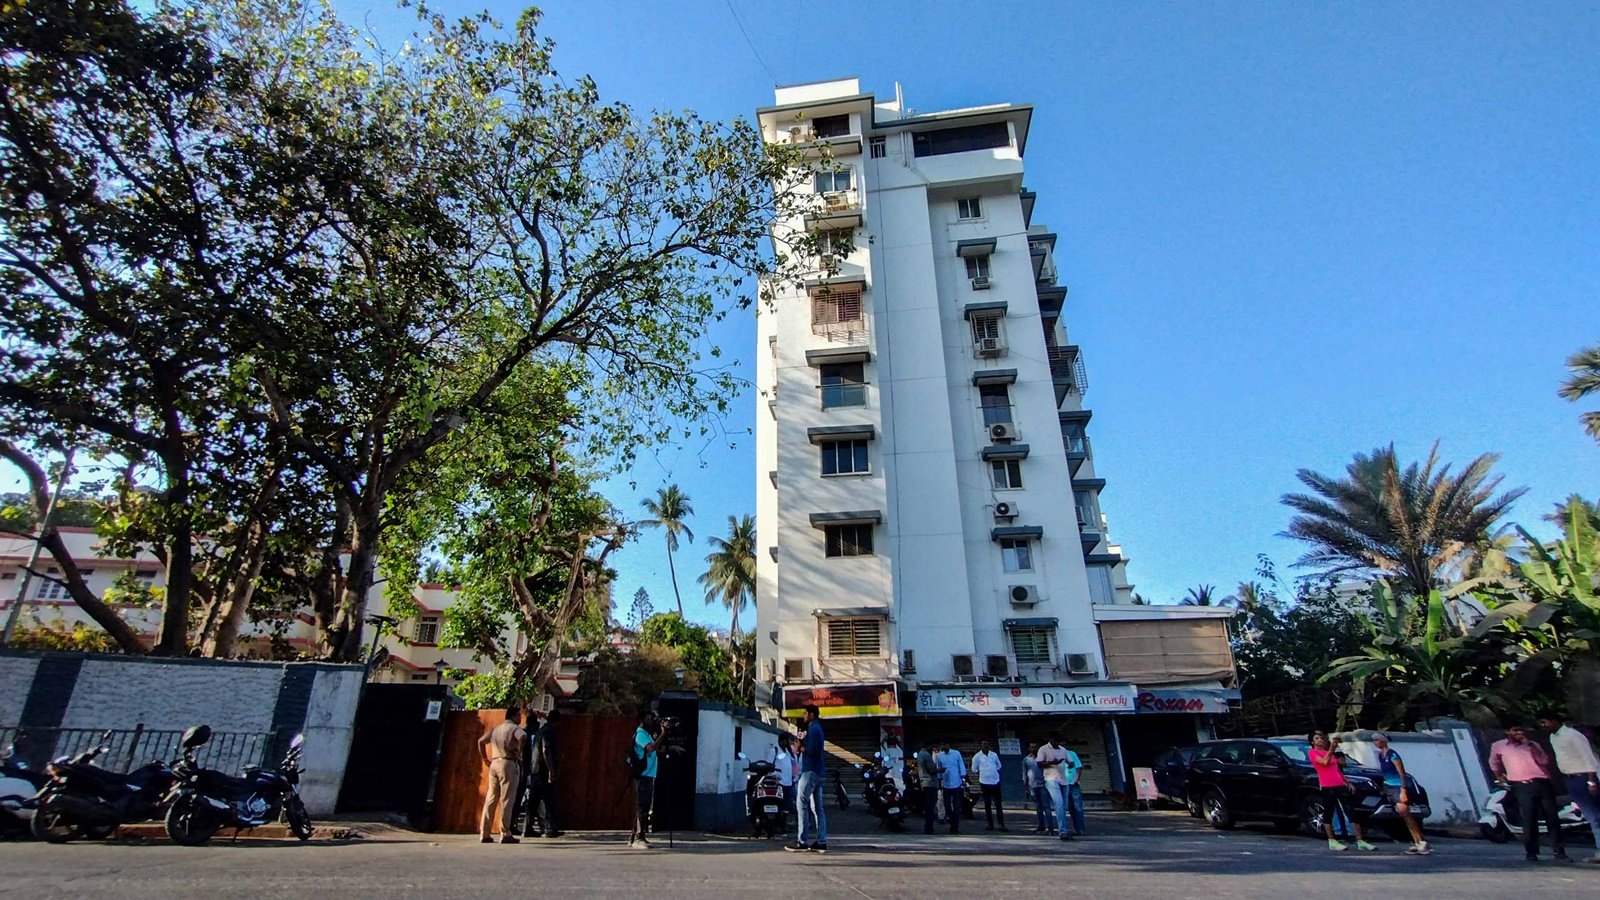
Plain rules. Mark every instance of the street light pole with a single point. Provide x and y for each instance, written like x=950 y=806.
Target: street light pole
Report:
x=33 y=555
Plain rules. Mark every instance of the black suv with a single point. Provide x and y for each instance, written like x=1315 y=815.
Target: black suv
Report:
x=1271 y=780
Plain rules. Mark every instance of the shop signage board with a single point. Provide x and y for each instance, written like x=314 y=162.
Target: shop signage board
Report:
x=1025 y=699
x=1213 y=701
x=842 y=701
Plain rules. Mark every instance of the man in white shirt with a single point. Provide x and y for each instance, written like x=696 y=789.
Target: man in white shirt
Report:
x=986 y=763
x=1576 y=759
x=783 y=765
x=894 y=759
x=1058 y=762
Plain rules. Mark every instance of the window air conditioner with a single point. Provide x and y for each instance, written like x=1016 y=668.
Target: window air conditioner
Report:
x=980 y=283
x=769 y=670
x=1080 y=664
x=1002 y=431
x=794 y=133
x=797 y=669
x=989 y=347
x=1005 y=510
x=1023 y=594
x=997 y=666
x=961 y=664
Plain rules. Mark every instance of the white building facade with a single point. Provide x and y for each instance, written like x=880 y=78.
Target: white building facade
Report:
x=936 y=560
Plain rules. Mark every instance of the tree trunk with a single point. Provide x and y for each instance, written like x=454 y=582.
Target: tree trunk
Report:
x=674 y=573
x=232 y=608
x=344 y=642
x=127 y=639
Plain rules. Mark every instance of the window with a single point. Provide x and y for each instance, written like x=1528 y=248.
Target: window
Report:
x=828 y=182
x=55 y=590
x=855 y=637
x=1086 y=515
x=837 y=306
x=978 y=266
x=844 y=384
x=848 y=540
x=985 y=328
x=960 y=140
x=845 y=458
x=995 y=399
x=836 y=242
x=419 y=677
x=1031 y=645
x=831 y=126
x=146 y=577
x=1100 y=589
x=876 y=147
x=427 y=630
x=969 y=208
x=1016 y=555
x=1007 y=474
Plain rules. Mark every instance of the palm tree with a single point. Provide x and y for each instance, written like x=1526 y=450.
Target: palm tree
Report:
x=1408 y=524
x=1582 y=381
x=1200 y=596
x=1248 y=596
x=730 y=576
x=668 y=510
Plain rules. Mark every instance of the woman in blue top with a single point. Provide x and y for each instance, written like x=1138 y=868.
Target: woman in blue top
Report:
x=1394 y=789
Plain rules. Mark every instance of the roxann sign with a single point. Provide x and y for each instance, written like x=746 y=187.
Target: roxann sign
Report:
x=1025 y=699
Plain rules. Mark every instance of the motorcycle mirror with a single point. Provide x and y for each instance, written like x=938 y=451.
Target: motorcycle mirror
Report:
x=298 y=742
x=741 y=755
x=877 y=756
x=195 y=736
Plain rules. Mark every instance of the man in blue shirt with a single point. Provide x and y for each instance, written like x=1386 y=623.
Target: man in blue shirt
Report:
x=646 y=738
x=954 y=781
x=813 y=821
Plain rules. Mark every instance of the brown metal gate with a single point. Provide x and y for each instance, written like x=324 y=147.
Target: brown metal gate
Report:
x=594 y=791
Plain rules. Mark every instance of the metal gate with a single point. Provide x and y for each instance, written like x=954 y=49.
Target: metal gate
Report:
x=394 y=750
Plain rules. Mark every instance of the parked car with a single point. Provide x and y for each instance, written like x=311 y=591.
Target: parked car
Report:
x=1271 y=780
x=1171 y=769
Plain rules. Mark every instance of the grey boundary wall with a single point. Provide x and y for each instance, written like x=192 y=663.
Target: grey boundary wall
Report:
x=47 y=690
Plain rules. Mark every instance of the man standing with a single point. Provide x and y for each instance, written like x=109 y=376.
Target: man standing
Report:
x=953 y=779
x=1576 y=759
x=1054 y=760
x=986 y=763
x=1033 y=787
x=813 y=820
x=541 y=779
x=646 y=739
x=1521 y=763
x=501 y=750
x=928 y=769
x=894 y=759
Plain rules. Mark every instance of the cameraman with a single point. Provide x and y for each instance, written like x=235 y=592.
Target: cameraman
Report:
x=646 y=739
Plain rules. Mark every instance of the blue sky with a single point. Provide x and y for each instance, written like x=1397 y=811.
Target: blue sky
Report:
x=1290 y=232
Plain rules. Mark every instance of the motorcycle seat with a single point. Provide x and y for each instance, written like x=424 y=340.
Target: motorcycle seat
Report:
x=210 y=778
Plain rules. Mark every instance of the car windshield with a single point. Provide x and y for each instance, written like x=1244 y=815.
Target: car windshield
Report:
x=1298 y=751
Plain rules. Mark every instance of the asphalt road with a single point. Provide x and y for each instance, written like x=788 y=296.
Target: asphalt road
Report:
x=1127 y=854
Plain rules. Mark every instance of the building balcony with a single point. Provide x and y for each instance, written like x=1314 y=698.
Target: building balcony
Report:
x=837 y=210
x=1068 y=371
x=829 y=147
x=1078 y=450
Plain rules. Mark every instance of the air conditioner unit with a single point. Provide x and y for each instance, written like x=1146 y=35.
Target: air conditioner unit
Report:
x=1023 y=594
x=797 y=669
x=997 y=666
x=961 y=664
x=1005 y=510
x=794 y=133
x=989 y=347
x=1002 y=431
x=908 y=662
x=980 y=283
x=1080 y=664
x=769 y=670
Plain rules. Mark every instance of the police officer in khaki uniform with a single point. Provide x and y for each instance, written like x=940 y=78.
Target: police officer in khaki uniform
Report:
x=501 y=750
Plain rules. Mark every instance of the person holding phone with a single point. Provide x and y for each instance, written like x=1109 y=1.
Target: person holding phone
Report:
x=1326 y=759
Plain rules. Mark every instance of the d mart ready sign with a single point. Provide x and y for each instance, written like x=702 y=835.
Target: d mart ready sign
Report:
x=1025 y=699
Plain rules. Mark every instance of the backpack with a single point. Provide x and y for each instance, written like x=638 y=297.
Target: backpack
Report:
x=634 y=762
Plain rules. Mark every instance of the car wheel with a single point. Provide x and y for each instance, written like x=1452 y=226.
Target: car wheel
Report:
x=1215 y=807
x=1498 y=832
x=1193 y=806
x=1312 y=815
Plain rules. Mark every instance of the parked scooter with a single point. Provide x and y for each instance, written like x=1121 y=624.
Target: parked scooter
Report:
x=913 y=795
x=18 y=785
x=1501 y=820
x=206 y=801
x=82 y=800
x=765 y=807
x=883 y=798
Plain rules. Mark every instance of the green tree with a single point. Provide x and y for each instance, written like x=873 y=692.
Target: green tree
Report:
x=1583 y=380
x=1204 y=595
x=641 y=609
x=668 y=510
x=621 y=684
x=1407 y=523
x=1560 y=515
x=708 y=666
x=730 y=576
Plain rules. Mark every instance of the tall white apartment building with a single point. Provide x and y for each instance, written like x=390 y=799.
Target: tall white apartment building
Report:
x=935 y=561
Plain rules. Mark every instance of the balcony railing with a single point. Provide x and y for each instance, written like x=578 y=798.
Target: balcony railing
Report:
x=1076 y=444
x=838 y=395
x=838 y=668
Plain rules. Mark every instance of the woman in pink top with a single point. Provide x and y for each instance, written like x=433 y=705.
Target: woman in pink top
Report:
x=1325 y=758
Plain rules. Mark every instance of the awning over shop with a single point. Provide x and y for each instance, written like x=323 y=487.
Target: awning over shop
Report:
x=1213 y=700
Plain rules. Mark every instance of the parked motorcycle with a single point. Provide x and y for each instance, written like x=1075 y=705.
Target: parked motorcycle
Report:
x=840 y=795
x=765 y=807
x=206 y=801
x=913 y=794
x=18 y=785
x=82 y=800
x=883 y=798
x=1501 y=819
